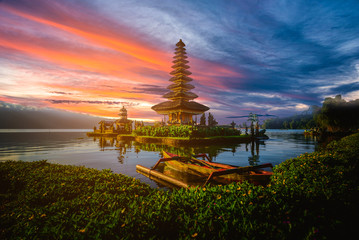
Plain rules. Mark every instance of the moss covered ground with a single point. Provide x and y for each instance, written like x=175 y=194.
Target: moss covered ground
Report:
x=313 y=196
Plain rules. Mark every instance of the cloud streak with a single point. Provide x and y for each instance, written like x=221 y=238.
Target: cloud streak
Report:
x=268 y=58
x=89 y=102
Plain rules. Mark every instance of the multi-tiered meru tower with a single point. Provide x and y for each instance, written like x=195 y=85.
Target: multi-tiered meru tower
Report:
x=180 y=108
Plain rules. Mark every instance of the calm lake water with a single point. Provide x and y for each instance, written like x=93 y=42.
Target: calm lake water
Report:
x=75 y=148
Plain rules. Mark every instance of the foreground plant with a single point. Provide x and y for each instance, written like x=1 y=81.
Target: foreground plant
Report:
x=185 y=131
x=312 y=196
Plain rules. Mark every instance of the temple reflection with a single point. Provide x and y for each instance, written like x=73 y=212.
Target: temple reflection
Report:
x=122 y=147
x=254 y=158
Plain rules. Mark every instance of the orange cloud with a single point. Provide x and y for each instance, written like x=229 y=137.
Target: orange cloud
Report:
x=93 y=92
x=94 y=110
x=94 y=59
x=87 y=59
x=103 y=37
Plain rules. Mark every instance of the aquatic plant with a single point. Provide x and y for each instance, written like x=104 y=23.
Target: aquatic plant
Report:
x=185 y=131
x=312 y=196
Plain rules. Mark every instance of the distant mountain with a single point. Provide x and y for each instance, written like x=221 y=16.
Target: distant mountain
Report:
x=19 y=117
x=311 y=110
x=301 y=121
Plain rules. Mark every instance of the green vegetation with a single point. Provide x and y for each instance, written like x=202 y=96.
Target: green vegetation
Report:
x=293 y=122
x=211 y=120
x=336 y=115
x=339 y=115
x=312 y=196
x=185 y=131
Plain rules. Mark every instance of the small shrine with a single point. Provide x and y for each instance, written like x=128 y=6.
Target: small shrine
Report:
x=121 y=125
x=105 y=127
x=180 y=108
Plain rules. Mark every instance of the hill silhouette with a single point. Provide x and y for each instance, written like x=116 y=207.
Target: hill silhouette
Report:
x=19 y=117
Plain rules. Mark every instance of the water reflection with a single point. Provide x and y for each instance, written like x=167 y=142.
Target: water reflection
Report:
x=322 y=140
x=254 y=158
x=213 y=151
x=75 y=148
x=111 y=143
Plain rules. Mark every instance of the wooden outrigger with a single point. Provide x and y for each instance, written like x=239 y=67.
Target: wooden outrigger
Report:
x=209 y=171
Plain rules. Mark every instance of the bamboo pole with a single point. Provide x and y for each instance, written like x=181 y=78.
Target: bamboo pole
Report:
x=154 y=173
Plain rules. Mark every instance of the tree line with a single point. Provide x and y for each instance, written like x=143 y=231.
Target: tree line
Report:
x=292 y=122
x=335 y=115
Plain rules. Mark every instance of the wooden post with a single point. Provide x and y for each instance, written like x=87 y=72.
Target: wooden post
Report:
x=161 y=176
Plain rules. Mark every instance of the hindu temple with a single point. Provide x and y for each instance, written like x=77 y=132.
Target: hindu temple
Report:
x=120 y=125
x=180 y=107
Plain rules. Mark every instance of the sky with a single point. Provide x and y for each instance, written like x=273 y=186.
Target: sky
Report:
x=93 y=57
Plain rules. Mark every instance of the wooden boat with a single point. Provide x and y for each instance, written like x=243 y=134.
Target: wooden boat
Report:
x=217 y=172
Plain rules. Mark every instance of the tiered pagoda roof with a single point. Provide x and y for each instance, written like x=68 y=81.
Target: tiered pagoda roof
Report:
x=180 y=97
x=123 y=115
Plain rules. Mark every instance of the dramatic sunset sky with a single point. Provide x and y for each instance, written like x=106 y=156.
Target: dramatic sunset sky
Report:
x=260 y=56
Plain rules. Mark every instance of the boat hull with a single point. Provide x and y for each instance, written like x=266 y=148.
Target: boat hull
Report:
x=257 y=177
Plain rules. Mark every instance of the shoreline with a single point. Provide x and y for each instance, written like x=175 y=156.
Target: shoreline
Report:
x=186 y=141
x=311 y=196
x=181 y=141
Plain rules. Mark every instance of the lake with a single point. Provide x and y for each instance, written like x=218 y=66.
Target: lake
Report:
x=73 y=147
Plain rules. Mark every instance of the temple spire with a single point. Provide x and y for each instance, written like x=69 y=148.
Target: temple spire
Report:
x=180 y=106
x=180 y=87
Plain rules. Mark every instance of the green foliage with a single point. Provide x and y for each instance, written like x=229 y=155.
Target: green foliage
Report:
x=47 y=201
x=185 y=131
x=252 y=117
x=166 y=131
x=202 y=121
x=336 y=115
x=294 y=122
x=313 y=196
x=339 y=115
x=211 y=121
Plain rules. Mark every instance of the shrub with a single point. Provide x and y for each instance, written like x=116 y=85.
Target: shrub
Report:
x=312 y=196
x=185 y=131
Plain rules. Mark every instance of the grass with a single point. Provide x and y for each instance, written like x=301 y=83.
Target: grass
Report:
x=188 y=138
x=313 y=196
x=228 y=137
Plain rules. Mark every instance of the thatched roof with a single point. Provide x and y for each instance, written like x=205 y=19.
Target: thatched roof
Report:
x=180 y=60
x=180 y=52
x=181 y=94
x=180 y=85
x=180 y=71
x=180 y=65
x=179 y=48
x=180 y=78
x=123 y=121
x=180 y=43
x=180 y=56
x=180 y=104
x=106 y=122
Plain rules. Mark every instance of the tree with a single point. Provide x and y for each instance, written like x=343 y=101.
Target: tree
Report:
x=246 y=127
x=292 y=124
x=202 y=121
x=257 y=128
x=252 y=129
x=285 y=124
x=233 y=124
x=211 y=121
x=253 y=118
x=339 y=115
